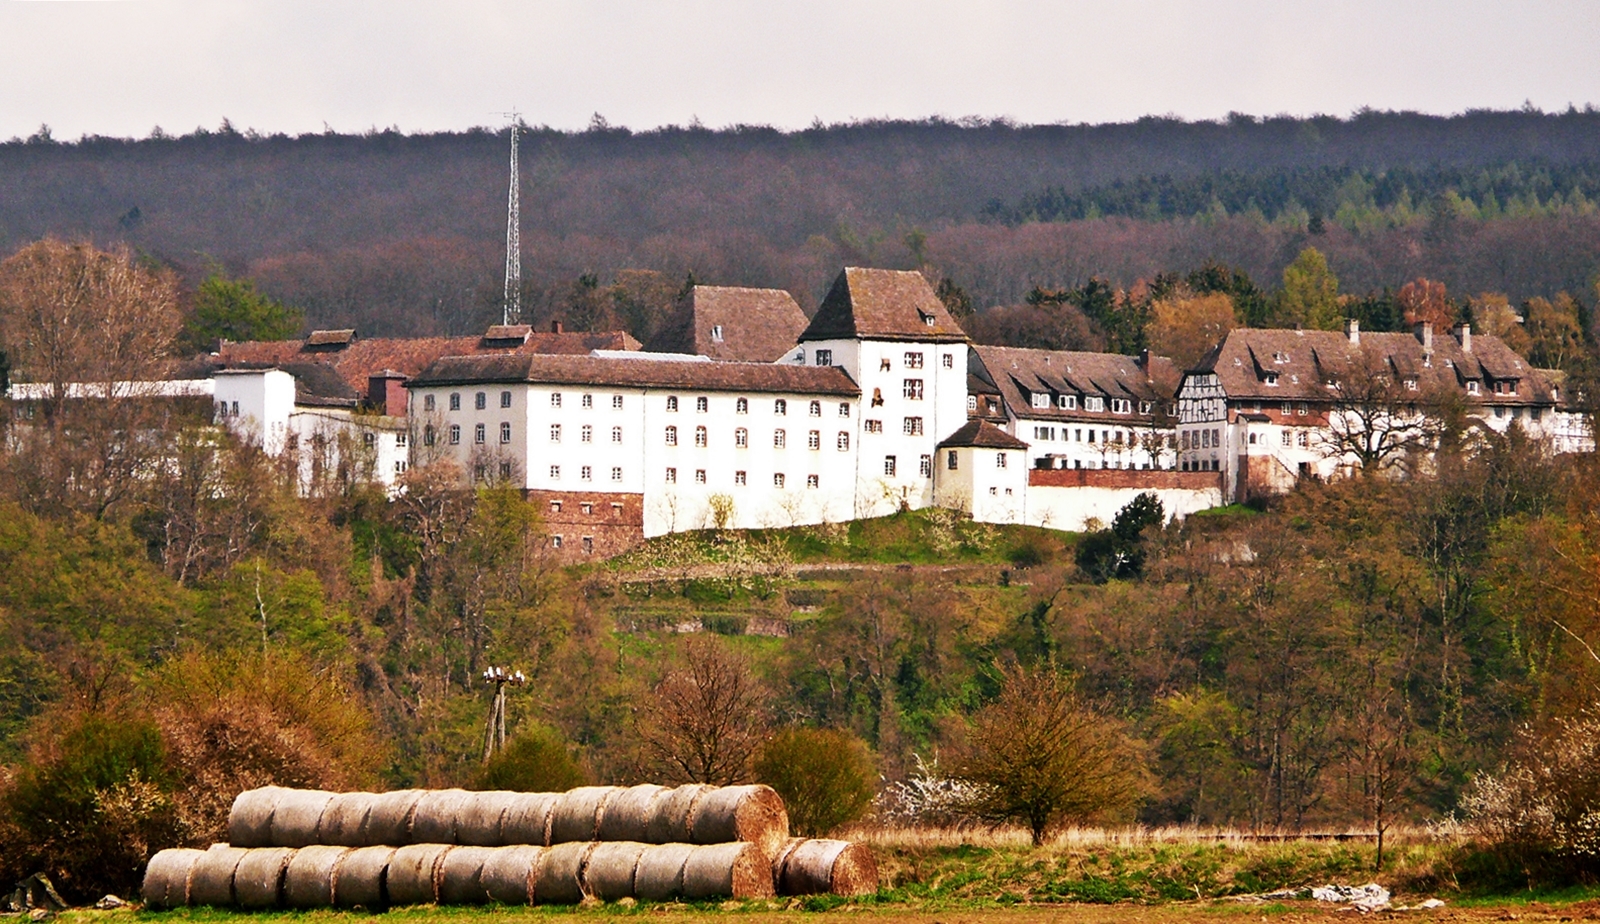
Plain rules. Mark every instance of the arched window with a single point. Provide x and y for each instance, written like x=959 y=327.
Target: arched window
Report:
x=699 y=436
x=741 y=436
x=672 y=436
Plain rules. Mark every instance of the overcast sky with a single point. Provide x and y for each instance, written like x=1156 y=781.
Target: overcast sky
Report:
x=121 y=67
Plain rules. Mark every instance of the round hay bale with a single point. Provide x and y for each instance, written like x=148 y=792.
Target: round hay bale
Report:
x=297 y=815
x=672 y=812
x=308 y=882
x=250 y=819
x=414 y=874
x=211 y=879
x=459 y=876
x=166 y=878
x=527 y=818
x=479 y=820
x=628 y=813
x=388 y=821
x=820 y=866
x=560 y=880
x=510 y=873
x=258 y=879
x=608 y=875
x=781 y=857
x=434 y=821
x=345 y=818
x=736 y=870
x=658 y=876
x=360 y=880
x=577 y=813
x=754 y=814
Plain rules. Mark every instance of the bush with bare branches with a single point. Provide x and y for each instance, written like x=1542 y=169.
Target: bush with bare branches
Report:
x=704 y=722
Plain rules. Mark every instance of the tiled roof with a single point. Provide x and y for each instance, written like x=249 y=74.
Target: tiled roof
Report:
x=1019 y=373
x=408 y=355
x=982 y=434
x=732 y=324
x=638 y=373
x=883 y=305
x=1300 y=364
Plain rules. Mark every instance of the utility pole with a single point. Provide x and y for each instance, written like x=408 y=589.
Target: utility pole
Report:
x=513 y=292
x=494 y=733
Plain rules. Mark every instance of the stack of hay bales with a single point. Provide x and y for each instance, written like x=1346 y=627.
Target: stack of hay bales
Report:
x=295 y=848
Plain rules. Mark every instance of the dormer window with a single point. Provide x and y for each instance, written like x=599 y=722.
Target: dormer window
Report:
x=1411 y=384
x=1068 y=402
x=1270 y=379
x=1041 y=399
x=1121 y=406
x=716 y=333
x=927 y=318
x=824 y=357
x=1094 y=403
x=1472 y=388
x=1280 y=357
x=1505 y=387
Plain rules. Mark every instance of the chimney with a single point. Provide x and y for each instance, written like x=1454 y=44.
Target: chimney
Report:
x=1425 y=334
x=1352 y=330
x=555 y=327
x=386 y=393
x=1464 y=334
x=1144 y=360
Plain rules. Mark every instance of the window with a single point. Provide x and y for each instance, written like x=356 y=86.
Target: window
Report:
x=779 y=439
x=672 y=403
x=1303 y=439
x=888 y=465
x=588 y=544
x=555 y=399
x=912 y=389
x=824 y=357
x=555 y=433
x=951 y=460
x=616 y=434
x=588 y=401
x=505 y=399
x=555 y=542
x=400 y=440
x=1146 y=407
x=738 y=478
x=1472 y=388
x=480 y=400
x=814 y=439
x=699 y=476
x=700 y=436
x=927 y=319
x=842 y=442
x=913 y=360
x=873 y=426
x=616 y=473
x=1121 y=406
x=925 y=466
x=811 y=481
x=400 y=467
x=741 y=438
x=777 y=480
x=505 y=471
x=586 y=434
x=672 y=476
x=586 y=473
x=555 y=506
x=1040 y=399
x=479 y=433
x=1094 y=403
x=1411 y=384
x=455 y=401
x=555 y=475
x=999 y=460
x=885 y=365
x=877 y=397
x=672 y=436
x=716 y=333
x=972 y=402
x=505 y=432
x=815 y=409
x=1300 y=410
x=1067 y=402
x=427 y=435
x=616 y=402
x=1288 y=438
x=369 y=439
x=844 y=409
x=741 y=406
x=912 y=426
x=1271 y=379
x=702 y=404
x=948 y=360
x=477 y=473
x=780 y=407
x=427 y=402
x=455 y=434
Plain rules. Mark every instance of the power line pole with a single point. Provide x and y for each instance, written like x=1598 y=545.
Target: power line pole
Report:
x=513 y=293
x=494 y=733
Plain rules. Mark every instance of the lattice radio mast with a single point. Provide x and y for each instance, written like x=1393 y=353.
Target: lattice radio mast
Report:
x=513 y=293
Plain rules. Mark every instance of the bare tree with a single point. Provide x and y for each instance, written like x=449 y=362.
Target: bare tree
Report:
x=1380 y=417
x=705 y=722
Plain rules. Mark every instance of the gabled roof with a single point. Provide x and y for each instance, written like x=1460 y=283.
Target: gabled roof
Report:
x=982 y=435
x=732 y=324
x=621 y=372
x=1018 y=373
x=877 y=304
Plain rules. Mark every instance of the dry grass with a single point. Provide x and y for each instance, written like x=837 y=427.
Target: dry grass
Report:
x=1015 y=837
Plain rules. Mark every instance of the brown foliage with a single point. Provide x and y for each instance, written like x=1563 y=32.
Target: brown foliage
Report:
x=704 y=722
x=1186 y=327
x=1424 y=301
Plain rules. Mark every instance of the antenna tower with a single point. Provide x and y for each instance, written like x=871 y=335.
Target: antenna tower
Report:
x=513 y=293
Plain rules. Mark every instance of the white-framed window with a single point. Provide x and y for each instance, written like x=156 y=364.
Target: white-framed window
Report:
x=588 y=401
x=1472 y=388
x=699 y=476
x=505 y=471
x=716 y=333
x=872 y=426
x=480 y=401
x=672 y=436
x=399 y=466
x=427 y=402
x=586 y=434
x=780 y=407
x=588 y=545
x=1411 y=384
x=844 y=409
x=815 y=408
x=811 y=481
x=1270 y=379
x=1301 y=410
x=824 y=357
x=972 y=402
x=1121 y=406
x=885 y=364
x=400 y=440
x=741 y=406
x=925 y=465
x=1302 y=439
x=1094 y=403
x=739 y=478
x=702 y=404
x=912 y=426
x=948 y=360
x=1148 y=407
x=369 y=439
x=1040 y=399
x=777 y=480
x=779 y=439
x=842 y=443
x=555 y=542
x=616 y=402
x=480 y=433
x=616 y=434
x=912 y=389
x=555 y=399
x=672 y=403
x=888 y=465
x=555 y=433
x=505 y=432
x=455 y=434
x=555 y=475
x=913 y=360
x=455 y=401
x=1067 y=402
x=700 y=436
x=741 y=438
x=814 y=439
x=616 y=473
x=672 y=475
x=1000 y=460
x=505 y=399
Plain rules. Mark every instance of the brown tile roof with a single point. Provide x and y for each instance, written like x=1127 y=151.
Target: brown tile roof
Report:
x=732 y=324
x=639 y=373
x=982 y=434
x=1304 y=362
x=877 y=304
x=331 y=337
x=1018 y=373
x=409 y=356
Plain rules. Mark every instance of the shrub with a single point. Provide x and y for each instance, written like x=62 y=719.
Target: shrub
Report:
x=1542 y=812
x=536 y=759
x=824 y=775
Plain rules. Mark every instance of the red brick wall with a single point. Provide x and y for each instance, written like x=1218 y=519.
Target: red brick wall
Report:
x=1121 y=478
x=614 y=521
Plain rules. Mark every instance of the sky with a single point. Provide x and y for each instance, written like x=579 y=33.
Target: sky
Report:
x=123 y=67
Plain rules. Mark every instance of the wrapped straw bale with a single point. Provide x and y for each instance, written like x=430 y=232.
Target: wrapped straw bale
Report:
x=250 y=819
x=359 y=881
x=414 y=874
x=344 y=821
x=258 y=879
x=577 y=813
x=388 y=821
x=817 y=866
x=608 y=873
x=434 y=821
x=309 y=880
x=628 y=814
x=459 y=876
x=734 y=870
x=166 y=878
x=674 y=809
x=510 y=873
x=527 y=818
x=740 y=813
x=658 y=876
x=479 y=820
x=211 y=879
x=560 y=880
x=297 y=815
